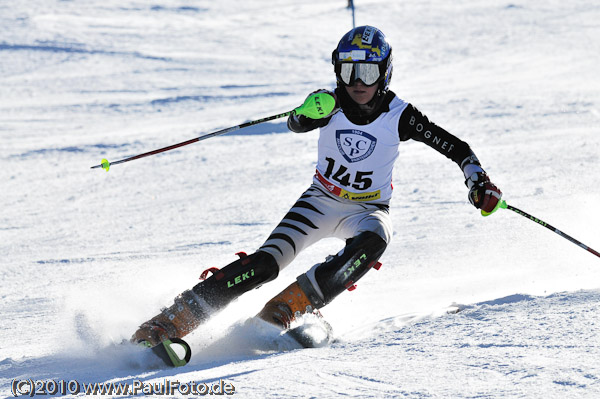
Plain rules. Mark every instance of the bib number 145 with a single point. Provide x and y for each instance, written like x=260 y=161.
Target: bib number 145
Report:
x=360 y=181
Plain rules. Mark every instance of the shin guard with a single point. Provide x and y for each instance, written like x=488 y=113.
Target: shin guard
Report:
x=342 y=271
x=195 y=306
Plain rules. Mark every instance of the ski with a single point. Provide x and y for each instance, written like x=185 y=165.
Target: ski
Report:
x=166 y=350
x=311 y=331
x=307 y=331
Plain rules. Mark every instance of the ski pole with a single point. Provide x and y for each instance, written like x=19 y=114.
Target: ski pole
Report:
x=504 y=205
x=315 y=106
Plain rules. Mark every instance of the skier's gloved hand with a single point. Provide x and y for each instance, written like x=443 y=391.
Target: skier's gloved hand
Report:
x=318 y=105
x=317 y=108
x=483 y=194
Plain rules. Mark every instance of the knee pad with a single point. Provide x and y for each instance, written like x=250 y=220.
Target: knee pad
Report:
x=233 y=280
x=340 y=272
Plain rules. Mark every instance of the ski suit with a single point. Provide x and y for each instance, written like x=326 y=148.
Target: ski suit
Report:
x=348 y=199
x=352 y=186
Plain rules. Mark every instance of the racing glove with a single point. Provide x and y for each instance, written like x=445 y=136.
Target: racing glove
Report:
x=483 y=194
x=315 y=112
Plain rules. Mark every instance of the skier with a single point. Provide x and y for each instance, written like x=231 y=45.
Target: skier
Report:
x=349 y=197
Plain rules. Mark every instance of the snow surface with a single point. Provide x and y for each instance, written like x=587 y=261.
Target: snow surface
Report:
x=88 y=255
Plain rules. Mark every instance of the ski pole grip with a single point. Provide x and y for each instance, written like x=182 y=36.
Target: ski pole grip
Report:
x=317 y=106
x=501 y=204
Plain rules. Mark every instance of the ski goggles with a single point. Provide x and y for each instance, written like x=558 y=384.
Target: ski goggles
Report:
x=369 y=74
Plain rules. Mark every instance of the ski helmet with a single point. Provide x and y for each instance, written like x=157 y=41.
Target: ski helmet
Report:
x=363 y=54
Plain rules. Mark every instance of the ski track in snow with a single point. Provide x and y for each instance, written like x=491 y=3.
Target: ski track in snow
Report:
x=88 y=255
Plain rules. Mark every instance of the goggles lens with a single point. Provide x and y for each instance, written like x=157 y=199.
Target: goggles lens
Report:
x=367 y=73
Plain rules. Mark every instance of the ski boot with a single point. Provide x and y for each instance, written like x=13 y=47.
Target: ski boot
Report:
x=316 y=288
x=287 y=306
x=294 y=313
x=193 y=307
x=174 y=322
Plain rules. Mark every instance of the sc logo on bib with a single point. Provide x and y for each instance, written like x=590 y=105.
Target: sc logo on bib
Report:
x=355 y=145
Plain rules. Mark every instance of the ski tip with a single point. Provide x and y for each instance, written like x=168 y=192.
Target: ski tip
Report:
x=453 y=309
x=314 y=332
x=166 y=350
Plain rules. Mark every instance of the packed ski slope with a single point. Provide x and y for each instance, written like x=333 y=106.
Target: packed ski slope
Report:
x=86 y=256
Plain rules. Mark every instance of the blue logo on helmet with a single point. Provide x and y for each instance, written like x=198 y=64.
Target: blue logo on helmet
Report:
x=355 y=145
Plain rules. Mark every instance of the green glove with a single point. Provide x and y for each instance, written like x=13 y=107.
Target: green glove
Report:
x=317 y=105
